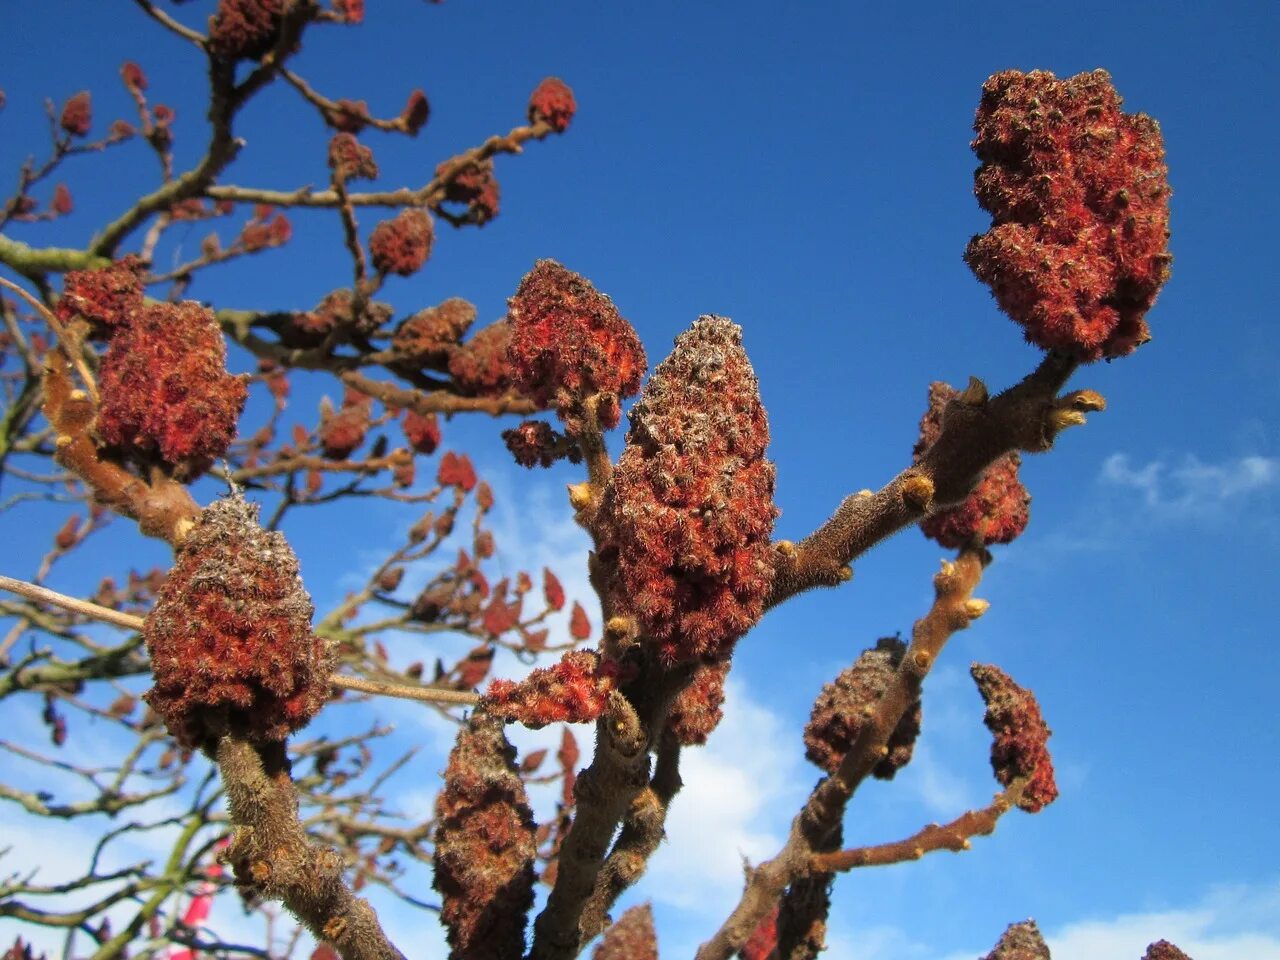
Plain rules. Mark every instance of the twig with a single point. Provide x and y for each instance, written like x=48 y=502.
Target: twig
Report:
x=71 y=347
x=953 y=836
x=953 y=609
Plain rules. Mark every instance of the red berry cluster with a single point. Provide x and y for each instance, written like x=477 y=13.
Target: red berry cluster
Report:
x=688 y=513
x=575 y=690
x=476 y=188
x=165 y=387
x=997 y=509
x=342 y=433
x=552 y=103
x=484 y=845
x=422 y=430
x=107 y=297
x=77 y=114
x=533 y=443
x=631 y=937
x=430 y=335
x=479 y=367
x=349 y=159
x=415 y=113
x=402 y=244
x=1022 y=941
x=245 y=29
x=230 y=634
x=838 y=716
x=1021 y=737
x=568 y=342
x=696 y=711
x=1078 y=194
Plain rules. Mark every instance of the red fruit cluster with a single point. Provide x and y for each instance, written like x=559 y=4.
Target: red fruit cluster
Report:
x=415 y=113
x=479 y=367
x=430 y=335
x=349 y=159
x=77 y=114
x=1164 y=950
x=533 y=443
x=631 y=937
x=165 y=387
x=402 y=244
x=107 y=296
x=1022 y=941
x=1021 y=737
x=475 y=187
x=838 y=716
x=230 y=634
x=134 y=79
x=997 y=509
x=696 y=711
x=688 y=513
x=483 y=861
x=456 y=471
x=245 y=29
x=62 y=203
x=1078 y=194
x=342 y=433
x=552 y=103
x=575 y=690
x=422 y=430
x=568 y=341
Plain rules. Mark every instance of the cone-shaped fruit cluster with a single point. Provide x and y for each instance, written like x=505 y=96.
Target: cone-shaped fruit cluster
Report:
x=1020 y=745
x=230 y=634
x=687 y=516
x=1078 y=194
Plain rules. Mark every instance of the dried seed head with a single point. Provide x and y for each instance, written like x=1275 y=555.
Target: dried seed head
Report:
x=552 y=103
x=631 y=937
x=1164 y=950
x=1078 y=194
x=349 y=159
x=686 y=519
x=479 y=367
x=568 y=341
x=402 y=244
x=230 y=634
x=245 y=29
x=1021 y=941
x=422 y=431
x=107 y=296
x=165 y=388
x=1021 y=737
x=997 y=509
x=844 y=706
x=77 y=114
x=484 y=845
x=429 y=335
x=575 y=690
x=696 y=711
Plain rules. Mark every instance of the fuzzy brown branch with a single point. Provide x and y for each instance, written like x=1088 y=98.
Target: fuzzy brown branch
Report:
x=976 y=430
x=642 y=832
x=953 y=609
x=271 y=856
x=163 y=507
x=953 y=836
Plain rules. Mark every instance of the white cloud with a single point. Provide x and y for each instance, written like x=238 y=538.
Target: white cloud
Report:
x=1191 y=485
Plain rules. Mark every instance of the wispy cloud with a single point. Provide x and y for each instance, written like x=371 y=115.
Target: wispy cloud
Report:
x=1191 y=485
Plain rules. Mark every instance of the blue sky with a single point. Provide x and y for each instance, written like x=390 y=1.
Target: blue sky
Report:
x=805 y=170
